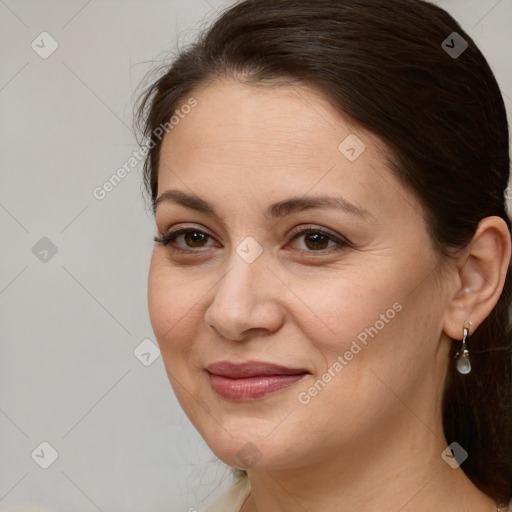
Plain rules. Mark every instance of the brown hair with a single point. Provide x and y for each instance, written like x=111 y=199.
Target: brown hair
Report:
x=381 y=62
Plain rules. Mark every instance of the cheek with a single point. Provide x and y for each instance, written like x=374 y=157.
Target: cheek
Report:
x=361 y=324
x=369 y=347
x=173 y=307
x=335 y=312
x=170 y=306
x=161 y=314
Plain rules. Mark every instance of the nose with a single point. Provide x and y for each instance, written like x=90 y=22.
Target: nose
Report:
x=246 y=301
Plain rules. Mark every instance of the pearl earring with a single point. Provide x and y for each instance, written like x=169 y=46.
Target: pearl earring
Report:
x=463 y=363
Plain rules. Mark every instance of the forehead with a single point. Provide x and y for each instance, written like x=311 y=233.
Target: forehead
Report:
x=270 y=124
x=274 y=142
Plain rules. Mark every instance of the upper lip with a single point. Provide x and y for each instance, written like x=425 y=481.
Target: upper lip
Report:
x=251 y=369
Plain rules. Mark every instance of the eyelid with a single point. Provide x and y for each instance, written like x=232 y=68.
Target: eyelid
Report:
x=308 y=228
x=301 y=230
x=169 y=237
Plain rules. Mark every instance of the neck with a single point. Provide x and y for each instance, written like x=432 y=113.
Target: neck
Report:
x=398 y=468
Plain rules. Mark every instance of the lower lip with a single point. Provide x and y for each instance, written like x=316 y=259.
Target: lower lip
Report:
x=251 y=388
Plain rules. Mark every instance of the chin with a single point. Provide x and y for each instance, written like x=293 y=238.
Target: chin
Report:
x=246 y=442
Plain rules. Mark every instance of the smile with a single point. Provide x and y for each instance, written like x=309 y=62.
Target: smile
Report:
x=251 y=380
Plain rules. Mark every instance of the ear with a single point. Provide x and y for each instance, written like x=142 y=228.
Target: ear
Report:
x=482 y=268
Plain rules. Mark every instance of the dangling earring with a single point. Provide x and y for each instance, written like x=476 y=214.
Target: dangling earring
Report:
x=463 y=364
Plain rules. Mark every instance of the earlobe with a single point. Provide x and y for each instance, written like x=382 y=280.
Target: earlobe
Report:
x=482 y=269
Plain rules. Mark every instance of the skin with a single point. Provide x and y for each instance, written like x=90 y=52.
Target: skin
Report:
x=372 y=438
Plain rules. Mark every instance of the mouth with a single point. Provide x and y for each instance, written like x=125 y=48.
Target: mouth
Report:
x=251 y=380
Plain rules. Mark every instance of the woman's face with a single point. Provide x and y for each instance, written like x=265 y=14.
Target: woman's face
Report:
x=285 y=346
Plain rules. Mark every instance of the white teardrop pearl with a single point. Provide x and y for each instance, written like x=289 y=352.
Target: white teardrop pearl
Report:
x=463 y=364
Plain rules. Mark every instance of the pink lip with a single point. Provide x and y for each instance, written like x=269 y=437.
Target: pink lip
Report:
x=251 y=380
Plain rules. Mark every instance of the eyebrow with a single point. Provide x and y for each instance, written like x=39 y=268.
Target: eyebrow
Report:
x=274 y=211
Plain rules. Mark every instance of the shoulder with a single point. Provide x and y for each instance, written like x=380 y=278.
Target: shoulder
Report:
x=504 y=507
x=233 y=499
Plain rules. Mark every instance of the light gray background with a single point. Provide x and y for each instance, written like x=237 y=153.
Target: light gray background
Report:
x=69 y=326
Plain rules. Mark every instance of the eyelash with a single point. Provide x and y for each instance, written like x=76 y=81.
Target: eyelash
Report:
x=169 y=238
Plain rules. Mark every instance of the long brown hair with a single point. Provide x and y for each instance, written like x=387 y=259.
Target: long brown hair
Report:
x=443 y=120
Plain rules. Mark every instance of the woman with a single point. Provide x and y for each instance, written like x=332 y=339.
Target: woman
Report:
x=330 y=281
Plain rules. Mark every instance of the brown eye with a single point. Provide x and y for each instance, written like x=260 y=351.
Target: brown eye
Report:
x=192 y=238
x=318 y=240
